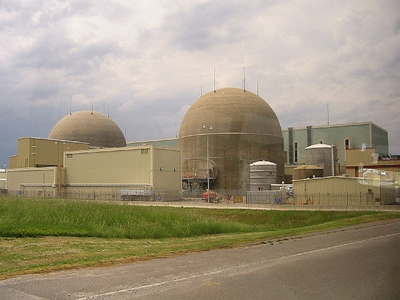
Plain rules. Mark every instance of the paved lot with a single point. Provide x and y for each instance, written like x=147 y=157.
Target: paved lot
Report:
x=359 y=262
x=242 y=205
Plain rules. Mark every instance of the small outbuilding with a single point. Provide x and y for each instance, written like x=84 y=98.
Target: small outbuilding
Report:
x=307 y=171
x=342 y=191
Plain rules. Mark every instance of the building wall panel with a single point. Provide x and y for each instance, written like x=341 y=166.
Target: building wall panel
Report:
x=20 y=181
x=380 y=139
x=342 y=191
x=108 y=167
x=167 y=169
x=358 y=135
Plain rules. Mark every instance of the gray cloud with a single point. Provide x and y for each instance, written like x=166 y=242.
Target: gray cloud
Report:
x=146 y=62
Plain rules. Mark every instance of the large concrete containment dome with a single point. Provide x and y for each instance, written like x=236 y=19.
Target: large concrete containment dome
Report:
x=262 y=175
x=322 y=155
x=238 y=128
x=90 y=127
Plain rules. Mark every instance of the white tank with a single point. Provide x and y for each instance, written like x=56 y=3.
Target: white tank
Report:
x=323 y=156
x=262 y=175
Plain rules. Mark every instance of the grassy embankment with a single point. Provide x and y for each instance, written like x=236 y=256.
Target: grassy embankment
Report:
x=41 y=235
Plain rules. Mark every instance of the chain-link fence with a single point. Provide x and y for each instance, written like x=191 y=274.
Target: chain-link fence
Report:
x=236 y=196
x=268 y=199
x=110 y=195
x=344 y=199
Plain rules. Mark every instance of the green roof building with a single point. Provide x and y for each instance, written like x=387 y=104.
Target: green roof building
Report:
x=342 y=136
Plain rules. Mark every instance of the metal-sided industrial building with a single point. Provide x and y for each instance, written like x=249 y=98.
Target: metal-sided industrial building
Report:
x=343 y=191
x=345 y=136
x=145 y=172
x=369 y=158
x=41 y=152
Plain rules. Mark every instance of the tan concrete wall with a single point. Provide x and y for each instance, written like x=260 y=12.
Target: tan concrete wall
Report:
x=42 y=152
x=33 y=181
x=119 y=166
x=133 y=167
x=233 y=153
x=303 y=172
x=23 y=155
x=103 y=173
x=13 y=162
x=368 y=158
x=355 y=157
x=170 y=177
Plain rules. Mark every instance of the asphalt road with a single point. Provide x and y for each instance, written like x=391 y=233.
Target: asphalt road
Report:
x=358 y=262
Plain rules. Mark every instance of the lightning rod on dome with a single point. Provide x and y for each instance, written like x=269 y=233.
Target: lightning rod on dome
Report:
x=244 y=79
x=201 y=86
x=70 y=104
x=327 y=108
x=214 y=81
x=257 y=84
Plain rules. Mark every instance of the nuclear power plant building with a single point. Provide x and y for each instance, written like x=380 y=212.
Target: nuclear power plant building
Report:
x=230 y=142
x=232 y=128
x=90 y=127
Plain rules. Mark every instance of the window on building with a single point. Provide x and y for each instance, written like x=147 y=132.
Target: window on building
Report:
x=296 y=152
x=144 y=151
x=346 y=144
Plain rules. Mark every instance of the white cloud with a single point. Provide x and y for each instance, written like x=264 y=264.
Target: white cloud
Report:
x=147 y=61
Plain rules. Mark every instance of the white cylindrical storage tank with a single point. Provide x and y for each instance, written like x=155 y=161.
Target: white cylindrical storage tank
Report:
x=322 y=155
x=262 y=175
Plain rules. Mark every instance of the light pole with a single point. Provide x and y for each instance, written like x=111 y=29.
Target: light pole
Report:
x=333 y=161
x=208 y=128
x=59 y=166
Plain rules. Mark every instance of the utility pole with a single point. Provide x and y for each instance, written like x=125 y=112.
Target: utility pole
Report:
x=208 y=128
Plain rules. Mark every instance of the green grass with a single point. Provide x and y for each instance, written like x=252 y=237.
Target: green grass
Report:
x=38 y=235
x=45 y=217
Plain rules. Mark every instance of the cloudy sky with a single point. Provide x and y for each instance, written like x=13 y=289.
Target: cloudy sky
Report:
x=145 y=62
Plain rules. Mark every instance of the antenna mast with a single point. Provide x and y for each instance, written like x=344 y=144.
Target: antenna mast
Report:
x=214 y=80
x=244 y=79
x=257 y=84
x=201 y=86
x=327 y=107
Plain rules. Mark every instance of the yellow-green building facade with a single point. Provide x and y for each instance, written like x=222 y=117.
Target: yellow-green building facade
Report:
x=343 y=137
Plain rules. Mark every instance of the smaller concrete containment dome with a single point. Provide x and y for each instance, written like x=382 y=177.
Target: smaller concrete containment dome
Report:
x=90 y=127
